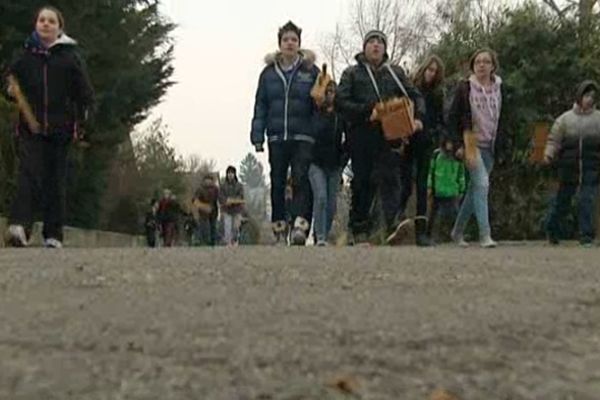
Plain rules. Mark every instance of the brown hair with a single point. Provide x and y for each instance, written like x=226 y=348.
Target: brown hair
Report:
x=419 y=76
x=492 y=54
x=289 y=27
x=59 y=16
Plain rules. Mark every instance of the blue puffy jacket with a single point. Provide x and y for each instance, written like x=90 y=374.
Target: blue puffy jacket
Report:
x=284 y=107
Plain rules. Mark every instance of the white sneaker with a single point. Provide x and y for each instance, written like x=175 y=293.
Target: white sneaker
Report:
x=322 y=243
x=17 y=236
x=53 y=243
x=488 y=243
x=459 y=239
x=298 y=237
x=300 y=231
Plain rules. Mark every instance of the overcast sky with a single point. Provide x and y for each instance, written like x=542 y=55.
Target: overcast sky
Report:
x=219 y=53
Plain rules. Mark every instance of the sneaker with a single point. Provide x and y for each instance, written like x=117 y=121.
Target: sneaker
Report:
x=400 y=232
x=52 y=243
x=17 y=236
x=298 y=237
x=321 y=243
x=587 y=244
x=553 y=240
x=280 y=233
x=488 y=243
x=300 y=231
x=459 y=239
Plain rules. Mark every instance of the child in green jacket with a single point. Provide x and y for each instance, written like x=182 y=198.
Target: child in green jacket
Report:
x=446 y=182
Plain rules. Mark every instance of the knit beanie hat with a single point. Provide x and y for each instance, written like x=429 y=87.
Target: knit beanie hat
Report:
x=375 y=34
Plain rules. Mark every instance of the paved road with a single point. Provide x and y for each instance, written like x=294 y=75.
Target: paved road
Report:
x=271 y=323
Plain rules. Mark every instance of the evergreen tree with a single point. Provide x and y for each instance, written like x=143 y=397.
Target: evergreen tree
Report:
x=252 y=172
x=128 y=50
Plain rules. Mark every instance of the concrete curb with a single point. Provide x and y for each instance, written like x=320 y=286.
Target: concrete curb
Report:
x=81 y=238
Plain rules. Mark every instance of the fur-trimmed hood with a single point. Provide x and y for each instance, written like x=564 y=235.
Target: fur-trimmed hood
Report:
x=308 y=57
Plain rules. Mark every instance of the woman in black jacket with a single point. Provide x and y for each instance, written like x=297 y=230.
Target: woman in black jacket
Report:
x=428 y=79
x=54 y=82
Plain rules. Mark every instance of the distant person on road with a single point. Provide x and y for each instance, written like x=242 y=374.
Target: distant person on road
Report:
x=169 y=212
x=151 y=223
x=231 y=200
x=206 y=204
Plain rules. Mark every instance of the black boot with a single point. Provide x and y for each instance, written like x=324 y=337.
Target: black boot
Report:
x=422 y=239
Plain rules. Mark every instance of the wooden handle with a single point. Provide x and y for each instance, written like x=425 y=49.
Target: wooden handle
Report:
x=23 y=104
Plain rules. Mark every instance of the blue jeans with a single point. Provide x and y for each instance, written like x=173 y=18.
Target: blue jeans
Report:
x=476 y=198
x=324 y=183
x=561 y=205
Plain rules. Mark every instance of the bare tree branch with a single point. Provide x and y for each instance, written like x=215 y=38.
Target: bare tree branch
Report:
x=405 y=22
x=552 y=4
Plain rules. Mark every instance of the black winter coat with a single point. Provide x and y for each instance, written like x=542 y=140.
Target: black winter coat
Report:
x=434 y=113
x=328 y=152
x=56 y=84
x=356 y=95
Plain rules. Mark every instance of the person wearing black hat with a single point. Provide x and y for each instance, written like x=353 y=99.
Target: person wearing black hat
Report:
x=283 y=111
x=574 y=147
x=231 y=199
x=376 y=163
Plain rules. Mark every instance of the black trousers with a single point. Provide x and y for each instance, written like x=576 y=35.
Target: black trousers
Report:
x=416 y=167
x=586 y=207
x=298 y=156
x=41 y=181
x=376 y=168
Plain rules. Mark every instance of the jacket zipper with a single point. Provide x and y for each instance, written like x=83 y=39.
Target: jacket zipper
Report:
x=286 y=86
x=46 y=97
x=580 y=160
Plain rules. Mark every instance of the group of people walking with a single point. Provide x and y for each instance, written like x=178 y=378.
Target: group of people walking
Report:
x=313 y=133
x=448 y=158
x=214 y=215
